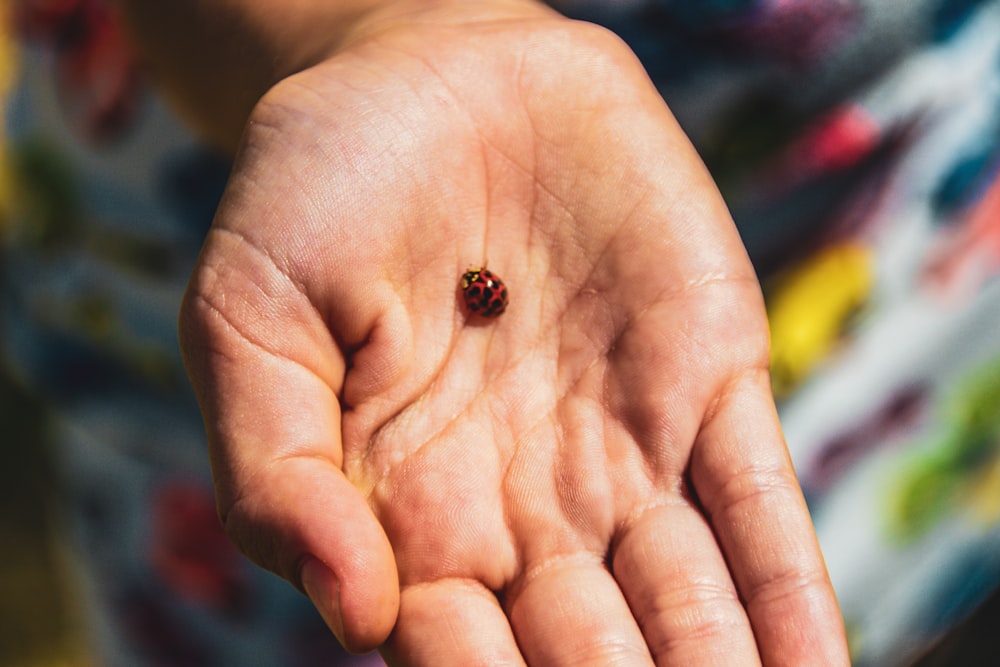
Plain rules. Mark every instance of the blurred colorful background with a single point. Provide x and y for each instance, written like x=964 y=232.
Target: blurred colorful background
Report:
x=858 y=145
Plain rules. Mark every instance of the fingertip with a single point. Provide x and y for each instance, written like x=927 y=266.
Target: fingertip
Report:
x=369 y=592
x=356 y=589
x=323 y=589
x=369 y=610
x=360 y=622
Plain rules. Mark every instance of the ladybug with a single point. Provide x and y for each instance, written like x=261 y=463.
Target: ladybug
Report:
x=484 y=292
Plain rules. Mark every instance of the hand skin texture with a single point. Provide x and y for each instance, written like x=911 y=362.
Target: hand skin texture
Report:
x=598 y=477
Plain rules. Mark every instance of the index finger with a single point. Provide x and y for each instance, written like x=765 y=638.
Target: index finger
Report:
x=743 y=475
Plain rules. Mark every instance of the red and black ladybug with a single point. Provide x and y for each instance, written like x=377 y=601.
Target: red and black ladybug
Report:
x=484 y=292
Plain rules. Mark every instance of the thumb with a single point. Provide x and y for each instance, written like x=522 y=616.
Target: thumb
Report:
x=267 y=374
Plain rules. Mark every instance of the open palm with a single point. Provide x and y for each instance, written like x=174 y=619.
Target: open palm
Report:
x=595 y=477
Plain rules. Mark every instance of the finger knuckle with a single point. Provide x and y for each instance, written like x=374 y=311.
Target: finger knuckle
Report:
x=750 y=487
x=785 y=587
x=696 y=613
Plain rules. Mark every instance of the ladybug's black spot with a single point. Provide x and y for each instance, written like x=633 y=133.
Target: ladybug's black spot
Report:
x=495 y=308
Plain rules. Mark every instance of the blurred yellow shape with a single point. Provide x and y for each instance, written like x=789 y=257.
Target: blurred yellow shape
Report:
x=809 y=306
x=985 y=494
x=8 y=63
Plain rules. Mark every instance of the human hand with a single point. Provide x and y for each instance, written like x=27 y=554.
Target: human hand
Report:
x=596 y=477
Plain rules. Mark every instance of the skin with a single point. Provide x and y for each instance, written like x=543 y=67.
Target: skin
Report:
x=596 y=477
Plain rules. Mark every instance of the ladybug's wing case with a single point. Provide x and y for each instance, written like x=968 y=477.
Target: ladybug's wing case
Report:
x=484 y=293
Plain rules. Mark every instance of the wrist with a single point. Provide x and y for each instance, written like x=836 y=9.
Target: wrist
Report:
x=383 y=15
x=214 y=59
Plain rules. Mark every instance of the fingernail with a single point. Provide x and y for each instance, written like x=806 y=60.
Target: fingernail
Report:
x=323 y=589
